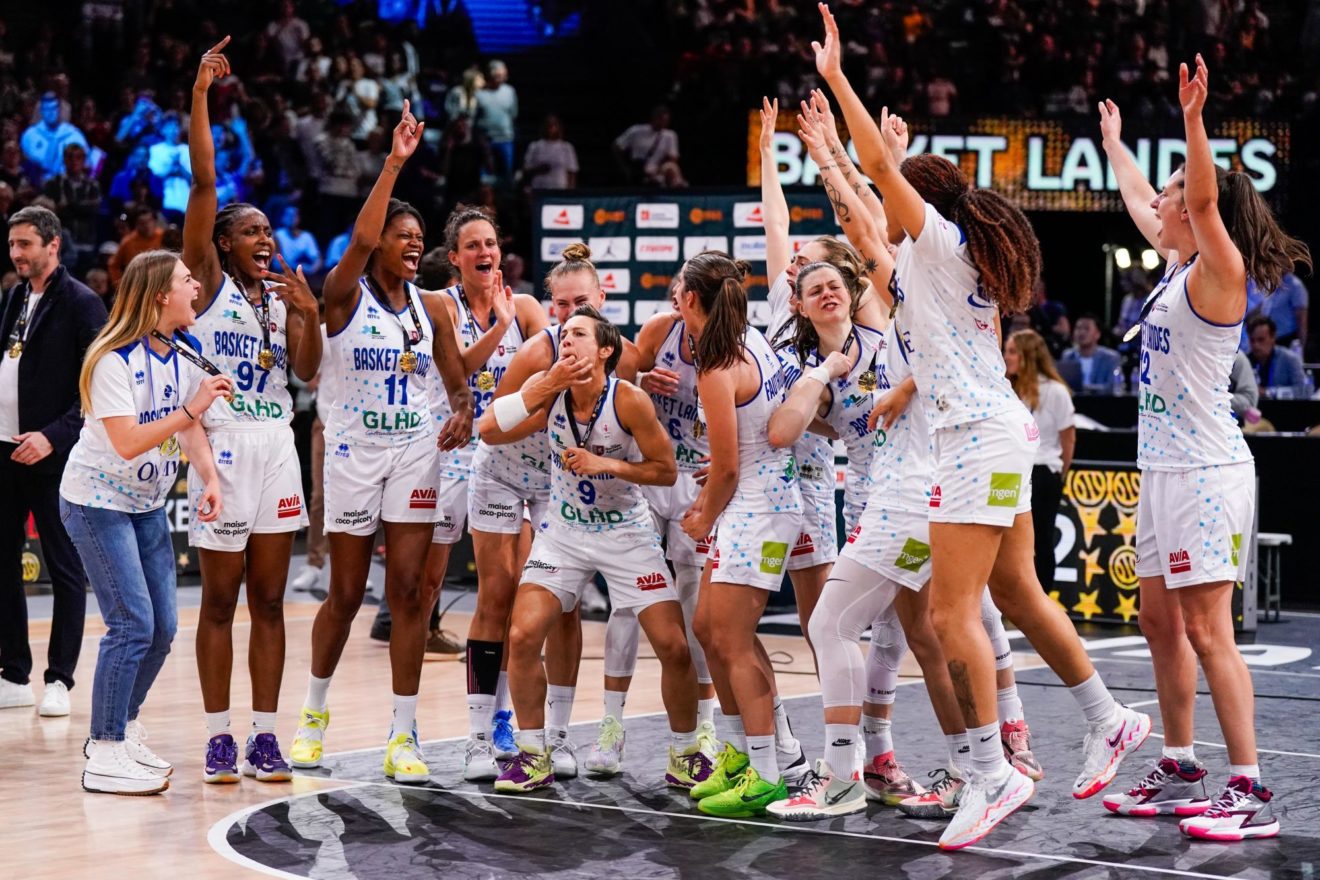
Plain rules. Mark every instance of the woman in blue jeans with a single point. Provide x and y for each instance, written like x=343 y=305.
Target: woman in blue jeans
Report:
x=136 y=377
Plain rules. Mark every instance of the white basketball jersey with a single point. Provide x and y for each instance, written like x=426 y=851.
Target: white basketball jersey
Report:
x=230 y=333
x=903 y=460
x=678 y=412
x=850 y=407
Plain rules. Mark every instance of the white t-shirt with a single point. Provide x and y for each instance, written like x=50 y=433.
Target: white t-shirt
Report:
x=559 y=156
x=1054 y=413
x=130 y=381
x=9 y=378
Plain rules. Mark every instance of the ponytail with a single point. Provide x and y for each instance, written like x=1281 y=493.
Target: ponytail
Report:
x=718 y=282
x=1268 y=253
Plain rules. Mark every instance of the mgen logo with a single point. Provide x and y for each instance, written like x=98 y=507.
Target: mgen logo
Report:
x=291 y=506
x=1180 y=562
x=422 y=499
x=653 y=581
x=561 y=216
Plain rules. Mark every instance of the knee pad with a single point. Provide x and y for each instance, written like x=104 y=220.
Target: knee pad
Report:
x=993 y=622
x=622 y=633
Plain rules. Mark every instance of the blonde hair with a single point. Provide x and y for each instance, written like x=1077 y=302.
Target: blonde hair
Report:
x=575 y=258
x=135 y=313
x=1034 y=361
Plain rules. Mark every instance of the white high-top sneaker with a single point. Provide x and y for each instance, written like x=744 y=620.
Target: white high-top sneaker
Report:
x=135 y=736
x=111 y=770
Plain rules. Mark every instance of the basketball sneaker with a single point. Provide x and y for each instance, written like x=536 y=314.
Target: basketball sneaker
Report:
x=221 y=760
x=111 y=770
x=730 y=764
x=308 y=740
x=747 y=799
x=941 y=801
x=54 y=700
x=135 y=737
x=708 y=739
x=1016 y=737
x=1244 y=809
x=16 y=696
x=501 y=735
x=563 y=754
x=887 y=783
x=442 y=641
x=606 y=755
x=479 y=764
x=986 y=801
x=822 y=795
x=403 y=760
x=1106 y=746
x=528 y=771
x=263 y=761
x=793 y=763
x=688 y=767
x=1171 y=788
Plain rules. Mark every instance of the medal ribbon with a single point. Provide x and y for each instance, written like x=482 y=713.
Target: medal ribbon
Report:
x=472 y=324
x=410 y=337
x=19 y=334
x=1154 y=297
x=187 y=353
x=579 y=439
x=262 y=313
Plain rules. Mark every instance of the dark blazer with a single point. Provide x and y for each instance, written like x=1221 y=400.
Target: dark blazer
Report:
x=65 y=322
x=1102 y=370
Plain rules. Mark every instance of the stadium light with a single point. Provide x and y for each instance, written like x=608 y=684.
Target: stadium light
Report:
x=1149 y=259
x=1123 y=258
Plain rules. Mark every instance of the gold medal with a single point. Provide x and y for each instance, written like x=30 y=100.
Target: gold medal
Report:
x=16 y=349
x=408 y=361
x=698 y=430
x=265 y=358
x=1133 y=332
x=485 y=380
x=563 y=459
x=867 y=381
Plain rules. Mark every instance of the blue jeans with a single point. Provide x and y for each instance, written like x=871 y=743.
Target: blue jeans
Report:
x=129 y=560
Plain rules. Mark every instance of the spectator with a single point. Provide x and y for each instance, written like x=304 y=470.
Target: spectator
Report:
x=171 y=167
x=1243 y=389
x=338 y=160
x=290 y=34
x=136 y=173
x=43 y=143
x=360 y=93
x=297 y=246
x=463 y=160
x=77 y=198
x=649 y=152
x=1088 y=366
x=551 y=162
x=497 y=113
x=435 y=272
x=1049 y=318
x=462 y=101
x=144 y=234
x=98 y=282
x=1279 y=372
x=12 y=171
x=1288 y=308
x=335 y=252
x=940 y=96
x=514 y=269
x=1041 y=388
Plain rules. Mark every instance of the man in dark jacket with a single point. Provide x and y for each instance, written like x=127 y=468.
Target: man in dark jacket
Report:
x=49 y=318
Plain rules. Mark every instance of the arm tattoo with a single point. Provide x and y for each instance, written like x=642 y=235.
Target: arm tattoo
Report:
x=869 y=265
x=962 y=687
x=841 y=208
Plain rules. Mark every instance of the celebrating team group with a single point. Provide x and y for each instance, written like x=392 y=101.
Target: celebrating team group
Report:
x=691 y=468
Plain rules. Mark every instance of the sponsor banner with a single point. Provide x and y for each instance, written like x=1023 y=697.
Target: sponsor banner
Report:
x=552 y=249
x=657 y=249
x=644 y=309
x=657 y=215
x=748 y=214
x=749 y=247
x=610 y=248
x=617 y=311
x=695 y=244
x=615 y=280
x=562 y=216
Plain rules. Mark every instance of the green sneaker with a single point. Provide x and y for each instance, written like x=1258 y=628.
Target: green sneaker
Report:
x=528 y=771
x=747 y=799
x=728 y=765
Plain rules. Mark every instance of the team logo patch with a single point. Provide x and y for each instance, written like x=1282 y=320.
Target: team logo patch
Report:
x=1180 y=561
x=291 y=506
x=804 y=546
x=342 y=451
x=225 y=457
x=1004 y=490
x=1033 y=432
x=140 y=377
x=855 y=534
x=935 y=496
x=422 y=499
x=653 y=581
x=913 y=556
x=772 y=556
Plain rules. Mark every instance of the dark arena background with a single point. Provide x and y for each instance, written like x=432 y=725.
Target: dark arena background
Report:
x=634 y=126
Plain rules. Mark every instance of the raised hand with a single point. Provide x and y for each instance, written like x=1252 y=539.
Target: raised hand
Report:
x=214 y=66
x=569 y=371
x=769 y=116
x=292 y=288
x=659 y=381
x=838 y=364
x=899 y=127
x=813 y=133
x=829 y=58
x=1111 y=123
x=407 y=134
x=501 y=299
x=1193 y=92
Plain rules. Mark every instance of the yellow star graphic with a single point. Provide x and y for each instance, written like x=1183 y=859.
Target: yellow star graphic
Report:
x=184 y=559
x=1127 y=606
x=1093 y=566
x=1090 y=517
x=1054 y=594
x=1087 y=606
x=1127 y=525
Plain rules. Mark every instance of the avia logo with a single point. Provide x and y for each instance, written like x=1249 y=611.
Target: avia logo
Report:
x=562 y=216
x=653 y=581
x=935 y=496
x=1033 y=432
x=855 y=534
x=342 y=451
x=804 y=546
x=291 y=506
x=422 y=499
x=748 y=214
x=562 y=219
x=703 y=547
x=1180 y=561
x=225 y=457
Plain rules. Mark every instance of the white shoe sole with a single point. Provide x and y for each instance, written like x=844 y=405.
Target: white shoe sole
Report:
x=53 y=711
x=566 y=771
x=1182 y=807
x=20 y=705
x=409 y=778
x=816 y=814
x=95 y=782
x=480 y=774
x=251 y=771
x=1017 y=799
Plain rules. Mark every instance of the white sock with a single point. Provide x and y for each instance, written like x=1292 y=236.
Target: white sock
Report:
x=1182 y=754
x=1010 y=705
x=559 y=705
x=217 y=723
x=1251 y=771
x=318 y=691
x=987 y=751
x=682 y=742
x=706 y=711
x=263 y=722
x=879 y=736
x=761 y=749
x=614 y=701
x=841 y=749
x=480 y=708
x=960 y=752
x=1095 y=700
x=502 y=693
x=737 y=735
x=784 y=738
x=532 y=741
x=405 y=715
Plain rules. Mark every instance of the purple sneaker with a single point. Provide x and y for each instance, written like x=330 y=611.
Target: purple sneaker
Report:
x=262 y=759
x=221 y=759
x=688 y=768
x=528 y=771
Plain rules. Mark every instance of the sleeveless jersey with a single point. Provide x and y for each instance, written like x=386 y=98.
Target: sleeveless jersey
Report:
x=849 y=408
x=1184 y=415
x=678 y=413
x=903 y=461
x=230 y=332
x=600 y=503
x=377 y=403
x=326 y=383
x=523 y=462
x=767 y=477
x=948 y=327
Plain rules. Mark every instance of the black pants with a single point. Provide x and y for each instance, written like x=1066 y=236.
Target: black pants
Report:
x=1046 y=491
x=22 y=491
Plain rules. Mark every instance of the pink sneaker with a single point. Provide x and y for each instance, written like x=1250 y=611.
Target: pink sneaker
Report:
x=887 y=783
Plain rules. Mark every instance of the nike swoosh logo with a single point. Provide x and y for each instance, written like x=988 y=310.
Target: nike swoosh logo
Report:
x=841 y=743
x=1113 y=743
x=986 y=739
x=759 y=748
x=835 y=798
x=971 y=301
x=999 y=792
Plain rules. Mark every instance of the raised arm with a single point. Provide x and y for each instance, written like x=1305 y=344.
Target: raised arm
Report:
x=1136 y=190
x=342 y=281
x=199 y=220
x=774 y=207
x=506 y=312
x=852 y=175
x=637 y=414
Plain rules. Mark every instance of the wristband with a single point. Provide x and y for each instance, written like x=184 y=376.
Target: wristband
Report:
x=184 y=407
x=820 y=374
x=510 y=411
